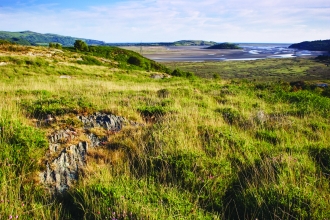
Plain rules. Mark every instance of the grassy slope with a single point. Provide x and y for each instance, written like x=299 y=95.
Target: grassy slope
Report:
x=218 y=150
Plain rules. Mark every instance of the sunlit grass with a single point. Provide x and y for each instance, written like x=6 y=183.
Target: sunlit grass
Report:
x=209 y=148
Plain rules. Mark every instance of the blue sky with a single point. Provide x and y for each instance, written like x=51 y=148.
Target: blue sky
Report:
x=172 y=20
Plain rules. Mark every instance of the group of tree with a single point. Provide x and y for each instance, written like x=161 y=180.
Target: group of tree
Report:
x=80 y=45
x=55 y=45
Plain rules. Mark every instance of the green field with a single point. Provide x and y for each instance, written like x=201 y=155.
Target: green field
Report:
x=236 y=141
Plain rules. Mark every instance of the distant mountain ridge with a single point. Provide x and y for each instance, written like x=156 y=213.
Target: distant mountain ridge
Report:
x=33 y=38
x=318 y=45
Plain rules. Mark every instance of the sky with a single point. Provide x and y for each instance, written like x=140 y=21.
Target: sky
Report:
x=263 y=21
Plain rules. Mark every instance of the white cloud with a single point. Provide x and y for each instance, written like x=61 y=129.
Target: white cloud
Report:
x=160 y=20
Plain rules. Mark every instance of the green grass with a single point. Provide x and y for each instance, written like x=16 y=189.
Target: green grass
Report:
x=258 y=70
x=210 y=148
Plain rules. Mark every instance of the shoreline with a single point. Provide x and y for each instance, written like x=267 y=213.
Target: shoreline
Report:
x=200 y=54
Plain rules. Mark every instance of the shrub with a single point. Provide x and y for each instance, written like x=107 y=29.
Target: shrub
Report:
x=80 y=45
x=180 y=73
x=55 y=45
x=89 y=60
x=153 y=111
x=163 y=93
x=137 y=61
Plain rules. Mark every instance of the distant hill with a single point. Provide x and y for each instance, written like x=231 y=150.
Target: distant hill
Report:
x=318 y=45
x=194 y=43
x=225 y=46
x=33 y=38
x=167 y=44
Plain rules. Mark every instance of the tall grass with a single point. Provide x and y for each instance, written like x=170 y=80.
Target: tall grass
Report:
x=209 y=149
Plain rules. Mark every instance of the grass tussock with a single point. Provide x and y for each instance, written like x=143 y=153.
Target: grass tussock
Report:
x=209 y=148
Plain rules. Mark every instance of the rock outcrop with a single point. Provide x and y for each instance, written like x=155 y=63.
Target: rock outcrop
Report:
x=108 y=122
x=61 y=172
x=66 y=162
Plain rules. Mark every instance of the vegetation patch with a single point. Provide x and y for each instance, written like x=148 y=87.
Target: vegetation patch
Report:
x=57 y=106
x=321 y=155
x=151 y=113
x=268 y=136
x=19 y=144
x=230 y=115
x=89 y=60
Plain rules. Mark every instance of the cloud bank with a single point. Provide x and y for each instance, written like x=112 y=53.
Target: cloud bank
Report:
x=160 y=20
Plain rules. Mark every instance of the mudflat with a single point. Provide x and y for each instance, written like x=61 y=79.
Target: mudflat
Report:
x=199 y=53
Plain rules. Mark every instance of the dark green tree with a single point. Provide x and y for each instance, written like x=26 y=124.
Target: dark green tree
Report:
x=80 y=45
x=58 y=46
x=55 y=45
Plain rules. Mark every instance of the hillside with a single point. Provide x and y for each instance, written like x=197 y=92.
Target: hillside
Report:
x=109 y=134
x=224 y=46
x=318 y=45
x=33 y=38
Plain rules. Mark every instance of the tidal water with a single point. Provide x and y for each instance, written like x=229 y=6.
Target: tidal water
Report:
x=249 y=51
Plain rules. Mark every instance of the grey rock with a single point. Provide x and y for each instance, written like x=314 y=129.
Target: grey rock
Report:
x=95 y=140
x=261 y=117
x=62 y=171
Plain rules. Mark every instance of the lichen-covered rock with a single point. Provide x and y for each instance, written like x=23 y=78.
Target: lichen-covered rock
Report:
x=107 y=121
x=95 y=140
x=64 y=169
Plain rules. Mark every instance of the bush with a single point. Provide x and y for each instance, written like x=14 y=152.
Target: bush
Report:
x=180 y=73
x=89 y=60
x=137 y=61
x=55 y=45
x=163 y=93
x=153 y=111
x=80 y=45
